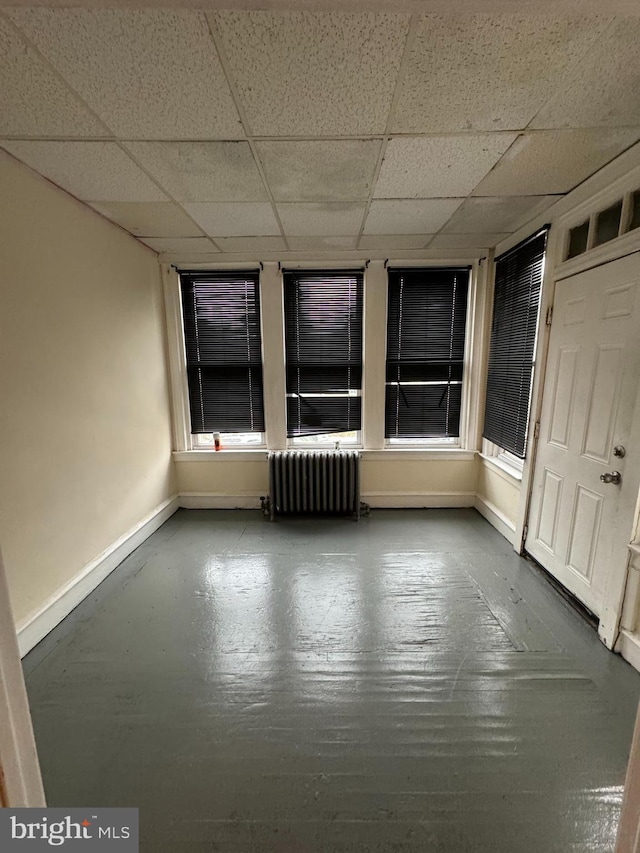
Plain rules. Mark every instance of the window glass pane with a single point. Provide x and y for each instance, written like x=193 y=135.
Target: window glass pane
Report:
x=427 y=310
x=608 y=223
x=635 y=210
x=221 y=314
x=323 y=341
x=351 y=437
x=578 y=240
x=227 y=439
x=513 y=340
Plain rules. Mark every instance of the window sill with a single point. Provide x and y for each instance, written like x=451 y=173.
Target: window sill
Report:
x=502 y=467
x=254 y=454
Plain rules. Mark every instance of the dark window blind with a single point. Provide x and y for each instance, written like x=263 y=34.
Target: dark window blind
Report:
x=323 y=337
x=513 y=338
x=427 y=313
x=221 y=312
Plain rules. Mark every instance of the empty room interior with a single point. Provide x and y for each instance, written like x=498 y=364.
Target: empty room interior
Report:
x=320 y=423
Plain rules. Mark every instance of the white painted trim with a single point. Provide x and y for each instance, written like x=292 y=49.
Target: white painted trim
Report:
x=181 y=420
x=374 y=354
x=36 y=626
x=417 y=500
x=20 y=780
x=273 y=356
x=218 y=500
x=496 y=518
x=628 y=645
x=627 y=244
x=511 y=475
x=413 y=454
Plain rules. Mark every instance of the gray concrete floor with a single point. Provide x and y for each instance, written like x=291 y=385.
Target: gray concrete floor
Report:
x=406 y=683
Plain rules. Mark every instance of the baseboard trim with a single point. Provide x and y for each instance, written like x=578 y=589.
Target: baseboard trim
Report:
x=628 y=645
x=211 y=500
x=497 y=518
x=36 y=626
x=418 y=500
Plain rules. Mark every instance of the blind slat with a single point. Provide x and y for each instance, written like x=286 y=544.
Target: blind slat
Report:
x=323 y=339
x=221 y=314
x=513 y=338
x=426 y=320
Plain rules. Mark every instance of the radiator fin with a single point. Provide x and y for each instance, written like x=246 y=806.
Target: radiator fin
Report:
x=314 y=482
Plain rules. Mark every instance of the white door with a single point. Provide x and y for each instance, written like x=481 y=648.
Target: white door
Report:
x=579 y=526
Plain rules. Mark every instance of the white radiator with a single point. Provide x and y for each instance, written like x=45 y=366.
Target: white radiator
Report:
x=316 y=481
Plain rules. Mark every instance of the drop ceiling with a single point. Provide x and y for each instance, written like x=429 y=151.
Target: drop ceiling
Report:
x=210 y=134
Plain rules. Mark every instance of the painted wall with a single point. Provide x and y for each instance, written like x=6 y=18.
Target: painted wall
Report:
x=498 y=497
x=85 y=437
x=230 y=479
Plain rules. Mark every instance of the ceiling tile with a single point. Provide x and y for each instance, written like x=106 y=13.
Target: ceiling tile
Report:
x=149 y=73
x=91 y=171
x=409 y=217
x=394 y=241
x=467 y=241
x=161 y=219
x=187 y=245
x=326 y=170
x=555 y=161
x=202 y=171
x=321 y=244
x=439 y=166
x=477 y=72
x=33 y=100
x=603 y=89
x=251 y=244
x=321 y=220
x=229 y=219
x=484 y=215
x=304 y=73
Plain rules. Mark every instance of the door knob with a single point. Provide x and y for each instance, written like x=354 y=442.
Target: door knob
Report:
x=612 y=477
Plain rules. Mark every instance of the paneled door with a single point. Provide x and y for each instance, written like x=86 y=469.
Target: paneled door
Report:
x=582 y=503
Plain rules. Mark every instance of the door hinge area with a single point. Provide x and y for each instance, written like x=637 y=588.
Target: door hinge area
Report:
x=536 y=430
x=549 y=317
x=525 y=531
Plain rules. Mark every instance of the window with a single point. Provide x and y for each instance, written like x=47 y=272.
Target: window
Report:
x=221 y=315
x=427 y=312
x=323 y=341
x=513 y=336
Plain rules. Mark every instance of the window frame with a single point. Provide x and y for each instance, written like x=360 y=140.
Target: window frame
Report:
x=463 y=440
x=372 y=443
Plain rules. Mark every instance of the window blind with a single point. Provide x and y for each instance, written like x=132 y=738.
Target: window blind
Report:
x=426 y=319
x=221 y=313
x=513 y=338
x=323 y=339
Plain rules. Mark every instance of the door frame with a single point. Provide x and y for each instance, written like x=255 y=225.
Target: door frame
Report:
x=609 y=185
x=20 y=779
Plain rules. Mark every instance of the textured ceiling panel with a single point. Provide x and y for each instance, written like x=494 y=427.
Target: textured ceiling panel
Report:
x=467 y=241
x=487 y=73
x=555 y=161
x=234 y=219
x=409 y=217
x=327 y=170
x=33 y=100
x=438 y=166
x=150 y=220
x=147 y=73
x=604 y=89
x=188 y=245
x=251 y=244
x=321 y=220
x=91 y=171
x=202 y=171
x=302 y=73
x=484 y=215
x=321 y=244
x=394 y=241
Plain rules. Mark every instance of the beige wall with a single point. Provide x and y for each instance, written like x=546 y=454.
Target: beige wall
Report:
x=85 y=435
x=499 y=492
x=385 y=482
